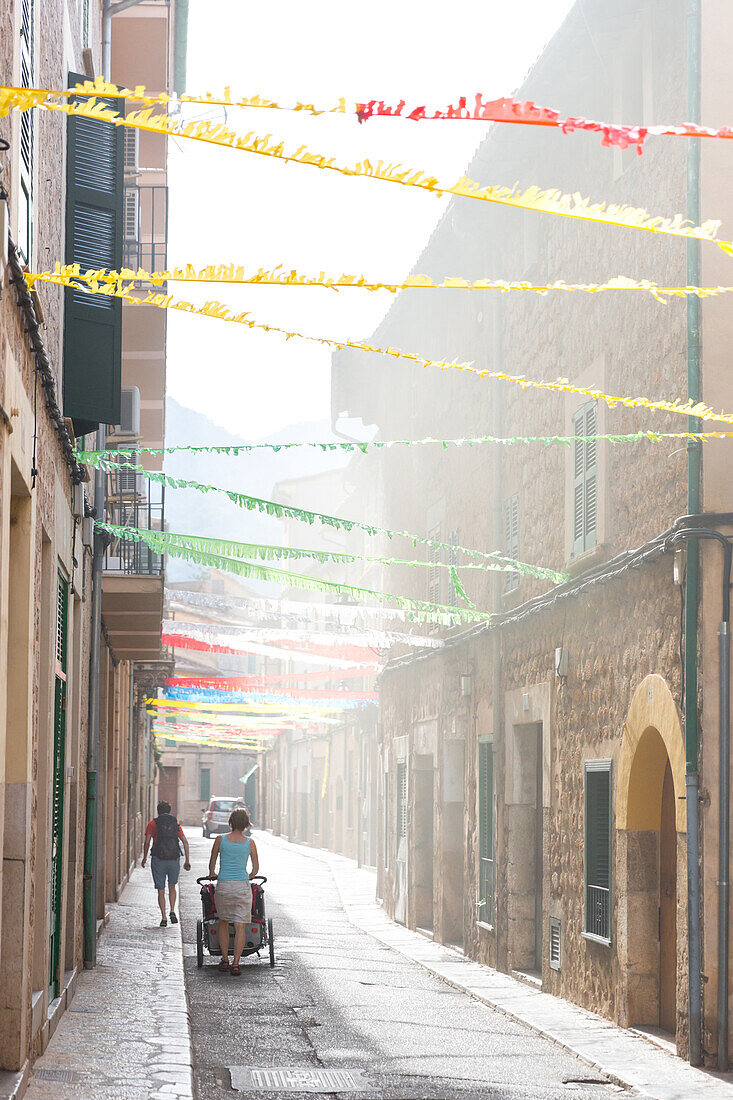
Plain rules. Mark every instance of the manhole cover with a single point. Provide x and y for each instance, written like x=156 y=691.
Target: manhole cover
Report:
x=296 y=1079
x=62 y=1076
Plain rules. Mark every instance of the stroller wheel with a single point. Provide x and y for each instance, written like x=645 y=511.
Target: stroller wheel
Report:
x=271 y=941
x=199 y=944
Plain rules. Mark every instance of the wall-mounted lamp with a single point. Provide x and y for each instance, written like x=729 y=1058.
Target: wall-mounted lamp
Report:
x=561 y=661
x=466 y=685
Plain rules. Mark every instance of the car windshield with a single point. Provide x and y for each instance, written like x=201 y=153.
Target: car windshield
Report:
x=223 y=805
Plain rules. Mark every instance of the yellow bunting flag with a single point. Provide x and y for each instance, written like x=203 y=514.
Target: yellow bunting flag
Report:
x=547 y=201
x=221 y=312
x=235 y=275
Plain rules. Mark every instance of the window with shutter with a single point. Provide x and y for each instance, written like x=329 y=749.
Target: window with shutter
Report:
x=585 y=479
x=598 y=848
x=511 y=538
x=27 y=131
x=486 y=831
x=94 y=229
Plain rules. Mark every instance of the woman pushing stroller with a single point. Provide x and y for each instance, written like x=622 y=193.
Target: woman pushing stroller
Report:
x=233 y=891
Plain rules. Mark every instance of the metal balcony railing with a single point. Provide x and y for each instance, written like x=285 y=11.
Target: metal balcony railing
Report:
x=146 y=227
x=133 y=501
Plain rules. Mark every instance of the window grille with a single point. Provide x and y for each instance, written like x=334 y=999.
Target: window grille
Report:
x=598 y=848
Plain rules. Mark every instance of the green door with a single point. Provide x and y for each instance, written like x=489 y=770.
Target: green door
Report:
x=57 y=786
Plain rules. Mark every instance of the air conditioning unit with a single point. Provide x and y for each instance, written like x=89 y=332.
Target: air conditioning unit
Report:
x=129 y=413
x=131 y=149
x=131 y=219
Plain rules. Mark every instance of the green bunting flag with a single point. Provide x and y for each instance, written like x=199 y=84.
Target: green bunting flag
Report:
x=232 y=549
x=303 y=515
x=162 y=542
x=471 y=441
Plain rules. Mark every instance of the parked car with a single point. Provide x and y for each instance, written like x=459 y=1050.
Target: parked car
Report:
x=216 y=816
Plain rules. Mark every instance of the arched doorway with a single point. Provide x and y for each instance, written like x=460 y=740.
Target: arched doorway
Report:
x=650 y=822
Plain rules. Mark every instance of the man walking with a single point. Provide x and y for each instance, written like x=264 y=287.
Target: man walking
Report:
x=166 y=836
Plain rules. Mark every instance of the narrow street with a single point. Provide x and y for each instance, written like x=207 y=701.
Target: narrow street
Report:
x=337 y=999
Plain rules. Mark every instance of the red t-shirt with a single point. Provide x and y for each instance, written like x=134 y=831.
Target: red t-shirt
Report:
x=152 y=829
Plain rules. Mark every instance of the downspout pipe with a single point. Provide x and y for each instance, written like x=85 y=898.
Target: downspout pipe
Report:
x=692 y=535
x=692 y=572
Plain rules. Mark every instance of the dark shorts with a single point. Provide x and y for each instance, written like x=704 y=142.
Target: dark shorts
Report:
x=164 y=869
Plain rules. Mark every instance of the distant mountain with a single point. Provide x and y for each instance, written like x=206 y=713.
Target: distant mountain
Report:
x=212 y=514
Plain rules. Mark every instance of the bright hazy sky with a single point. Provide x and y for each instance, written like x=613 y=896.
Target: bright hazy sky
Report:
x=228 y=206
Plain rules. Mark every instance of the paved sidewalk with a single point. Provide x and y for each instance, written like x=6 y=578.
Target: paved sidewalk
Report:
x=624 y=1056
x=125 y=1035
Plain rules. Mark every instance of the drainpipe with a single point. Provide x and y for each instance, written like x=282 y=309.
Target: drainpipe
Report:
x=110 y=8
x=497 y=426
x=691 y=535
x=90 y=836
x=692 y=572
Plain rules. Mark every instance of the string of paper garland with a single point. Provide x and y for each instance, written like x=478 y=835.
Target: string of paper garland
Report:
x=234 y=450
x=232 y=275
x=372 y=639
x=344 y=614
x=474 y=108
x=188 y=641
x=221 y=312
x=547 y=201
x=228 y=547
x=238 y=683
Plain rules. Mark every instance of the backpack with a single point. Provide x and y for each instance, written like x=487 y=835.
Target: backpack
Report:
x=166 y=844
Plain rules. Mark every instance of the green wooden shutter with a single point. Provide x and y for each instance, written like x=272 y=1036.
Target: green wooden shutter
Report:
x=27 y=131
x=57 y=785
x=590 y=477
x=93 y=323
x=598 y=848
x=511 y=538
x=401 y=799
x=585 y=479
x=434 y=575
x=205 y=784
x=486 y=830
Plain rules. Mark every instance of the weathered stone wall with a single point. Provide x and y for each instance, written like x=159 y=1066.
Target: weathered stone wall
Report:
x=621 y=343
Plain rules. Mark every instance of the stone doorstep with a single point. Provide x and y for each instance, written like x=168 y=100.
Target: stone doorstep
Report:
x=627 y=1058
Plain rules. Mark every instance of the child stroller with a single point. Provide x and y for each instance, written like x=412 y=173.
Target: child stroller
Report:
x=259 y=934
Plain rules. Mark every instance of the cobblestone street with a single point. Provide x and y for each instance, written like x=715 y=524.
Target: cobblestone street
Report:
x=382 y=1011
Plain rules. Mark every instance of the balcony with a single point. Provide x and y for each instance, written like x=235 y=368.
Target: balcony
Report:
x=146 y=227
x=132 y=585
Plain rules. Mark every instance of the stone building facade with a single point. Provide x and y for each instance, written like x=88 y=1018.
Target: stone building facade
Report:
x=53 y=846
x=533 y=797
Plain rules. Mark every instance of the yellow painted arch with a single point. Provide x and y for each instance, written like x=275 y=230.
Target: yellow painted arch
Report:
x=652 y=734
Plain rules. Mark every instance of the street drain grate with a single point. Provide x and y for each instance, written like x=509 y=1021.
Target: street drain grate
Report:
x=61 y=1076
x=298 y=1079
